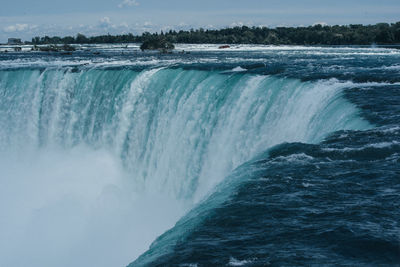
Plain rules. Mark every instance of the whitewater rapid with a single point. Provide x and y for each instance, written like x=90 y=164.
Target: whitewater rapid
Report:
x=96 y=162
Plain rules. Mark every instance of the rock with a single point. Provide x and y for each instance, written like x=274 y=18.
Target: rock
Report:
x=224 y=47
x=49 y=48
x=54 y=48
x=68 y=48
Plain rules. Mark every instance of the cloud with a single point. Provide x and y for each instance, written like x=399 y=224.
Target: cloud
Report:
x=128 y=3
x=320 y=23
x=237 y=24
x=124 y=25
x=105 y=22
x=16 y=28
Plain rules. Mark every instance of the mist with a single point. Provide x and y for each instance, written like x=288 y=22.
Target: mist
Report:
x=75 y=207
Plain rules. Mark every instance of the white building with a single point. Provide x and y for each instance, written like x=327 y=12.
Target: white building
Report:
x=14 y=41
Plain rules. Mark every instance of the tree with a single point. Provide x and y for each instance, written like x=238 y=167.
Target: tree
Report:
x=81 y=39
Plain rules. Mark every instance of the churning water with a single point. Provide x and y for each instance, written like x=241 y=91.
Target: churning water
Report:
x=271 y=155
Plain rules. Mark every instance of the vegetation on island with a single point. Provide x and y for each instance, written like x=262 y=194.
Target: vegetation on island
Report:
x=354 y=34
x=157 y=43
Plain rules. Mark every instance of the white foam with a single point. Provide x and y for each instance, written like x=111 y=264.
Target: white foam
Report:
x=235 y=262
x=294 y=158
x=374 y=145
x=85 y=189
x=390 y=130
x=239 y=69
x=99 y=61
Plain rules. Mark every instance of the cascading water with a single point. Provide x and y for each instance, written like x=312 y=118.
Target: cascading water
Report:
x=96 y=163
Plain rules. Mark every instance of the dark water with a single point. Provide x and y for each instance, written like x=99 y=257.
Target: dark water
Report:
x=298 y=183
x=333 y=203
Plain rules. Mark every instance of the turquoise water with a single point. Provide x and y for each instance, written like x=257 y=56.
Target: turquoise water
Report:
x=102 y=154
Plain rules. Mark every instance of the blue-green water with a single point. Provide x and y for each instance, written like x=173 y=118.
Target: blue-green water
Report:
x=258 y=155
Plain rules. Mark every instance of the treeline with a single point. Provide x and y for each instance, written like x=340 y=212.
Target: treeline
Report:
x=355 y=34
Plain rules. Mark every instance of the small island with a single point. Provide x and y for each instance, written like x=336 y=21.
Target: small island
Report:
x=54 y=48
x=157 y=43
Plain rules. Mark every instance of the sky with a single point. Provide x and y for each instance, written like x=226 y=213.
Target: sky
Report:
x=26 y=18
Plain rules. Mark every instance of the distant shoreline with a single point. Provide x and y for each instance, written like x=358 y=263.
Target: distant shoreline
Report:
x=394 y=46
x=317 y=35
x=232 y=47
